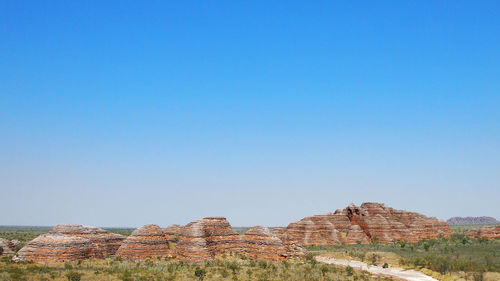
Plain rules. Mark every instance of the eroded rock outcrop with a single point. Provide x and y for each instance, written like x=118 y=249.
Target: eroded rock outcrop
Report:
x=329 y=229
x=261 y=243
x=488 y=232
x=6 y=249
x=108 y=243
x=384 y=224
x=364 y=224
x=207 y=239
x=51 y=247
x=173 y=232
x=145 y=242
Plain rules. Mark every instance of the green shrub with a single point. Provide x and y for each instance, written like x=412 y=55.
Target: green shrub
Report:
x=73 y=276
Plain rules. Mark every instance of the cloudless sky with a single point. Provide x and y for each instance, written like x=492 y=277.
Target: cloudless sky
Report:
x=124 y=113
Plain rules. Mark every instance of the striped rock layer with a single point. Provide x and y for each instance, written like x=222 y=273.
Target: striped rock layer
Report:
x=146 y=242
x=6 y=247
x=69 y=242
x=211 y=237
x=108 y=243
x=260 y=243
x=206 y=239
x=488 y=232
x=364 y=224
x=49 y=248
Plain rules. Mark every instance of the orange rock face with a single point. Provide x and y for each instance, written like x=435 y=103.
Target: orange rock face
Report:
x=145 y=242
x=108 y=243
x=488 y=232
x=384 y=224
x=173 y=232
x=209 y=238
x=260 y=243
x=206 y=239
x=364 y=224
x=49 y=247
x=330 y=229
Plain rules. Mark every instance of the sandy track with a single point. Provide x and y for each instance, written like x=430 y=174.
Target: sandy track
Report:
x=409 y=275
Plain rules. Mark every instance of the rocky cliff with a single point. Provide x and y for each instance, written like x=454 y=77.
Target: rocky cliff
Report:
x=145 y=242
x=366 y=223
x=472 y=221
x=57 y=248
x=488 y=232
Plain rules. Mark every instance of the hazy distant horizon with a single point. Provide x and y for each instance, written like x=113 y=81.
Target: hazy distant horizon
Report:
x=263 y=112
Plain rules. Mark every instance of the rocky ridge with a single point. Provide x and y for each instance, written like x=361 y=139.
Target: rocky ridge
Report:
x=488 y=232
x=364 y=224
x=212 y=237
x=472 y=221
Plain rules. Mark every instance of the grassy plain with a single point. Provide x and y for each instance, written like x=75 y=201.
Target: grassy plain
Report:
x=229 y=268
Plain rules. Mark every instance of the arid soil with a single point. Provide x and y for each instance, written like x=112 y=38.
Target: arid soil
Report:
x=408 y=275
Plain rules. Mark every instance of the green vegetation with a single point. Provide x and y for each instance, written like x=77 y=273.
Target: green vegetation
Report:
x=456 y=256
x=22 y=233
x=230 y=269
x=445 y=255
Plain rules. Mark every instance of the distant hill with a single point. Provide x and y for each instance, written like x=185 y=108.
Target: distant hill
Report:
x=472 y=221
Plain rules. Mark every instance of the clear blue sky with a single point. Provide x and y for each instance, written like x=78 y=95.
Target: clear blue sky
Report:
x=123 y=113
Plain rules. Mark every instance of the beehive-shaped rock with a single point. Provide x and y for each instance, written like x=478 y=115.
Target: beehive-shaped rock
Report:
x=330 y=229
x=173 y=232
x=6 y=249
x=107 y=242
x=206 y=239
x=261 y=243
x=49 y=248
x=145 y=242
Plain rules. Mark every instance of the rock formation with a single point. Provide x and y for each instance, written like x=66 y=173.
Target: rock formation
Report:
x=488 y=232
x=206 y=239
x=145 y=242
x=9 y=247
x=384 y=224
x=329 y=229
x=260 y=243
x=209 y=238
x=57 y=248
x=6 y=248
x=472 y=221
x=107 y=242
x=173 y=232
x=364 y=224
x=14 y=244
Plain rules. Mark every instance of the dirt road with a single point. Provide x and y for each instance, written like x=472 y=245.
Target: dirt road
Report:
x=409 y=275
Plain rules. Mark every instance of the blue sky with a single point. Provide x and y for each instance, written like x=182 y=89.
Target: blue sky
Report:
x=127 y=113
